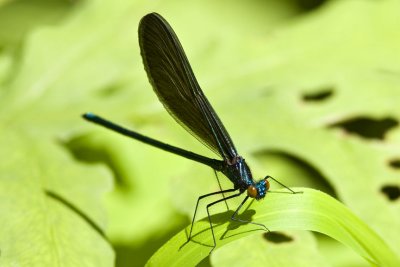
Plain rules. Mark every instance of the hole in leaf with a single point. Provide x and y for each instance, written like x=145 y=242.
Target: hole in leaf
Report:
x=392 y=192
x=367 y=127
x=277 y=237
x=309 y=5
x=395 y=163
x=318 y=96
x=82 y=150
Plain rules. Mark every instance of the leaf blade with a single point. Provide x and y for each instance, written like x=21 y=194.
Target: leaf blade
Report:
x=312 y=210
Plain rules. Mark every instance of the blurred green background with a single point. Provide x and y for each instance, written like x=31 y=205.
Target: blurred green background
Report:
x=309 y=91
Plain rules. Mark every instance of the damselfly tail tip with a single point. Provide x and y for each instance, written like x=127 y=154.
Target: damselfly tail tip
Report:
x=88 y=116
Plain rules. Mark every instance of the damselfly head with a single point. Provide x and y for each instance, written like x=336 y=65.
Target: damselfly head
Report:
x=259 y=189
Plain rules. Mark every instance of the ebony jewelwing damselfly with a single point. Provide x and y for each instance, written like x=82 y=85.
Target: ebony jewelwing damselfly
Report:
x=172 y=79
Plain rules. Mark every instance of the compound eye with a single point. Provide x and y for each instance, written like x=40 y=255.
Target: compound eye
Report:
x=266 y=184
x=252 y=191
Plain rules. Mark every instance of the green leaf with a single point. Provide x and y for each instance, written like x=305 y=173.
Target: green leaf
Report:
x=49 y=213
x=263 y=249
x=255 y=61
x=332 y=49
x=52 y=206
x=311 y=210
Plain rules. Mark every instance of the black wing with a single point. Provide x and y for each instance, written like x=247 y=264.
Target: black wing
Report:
x=172 y=78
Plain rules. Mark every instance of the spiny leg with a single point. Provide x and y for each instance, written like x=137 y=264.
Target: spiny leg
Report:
x=234 y=218
x=197 y=204
x=276 y=181
x=220 y=187
x=209 y=217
